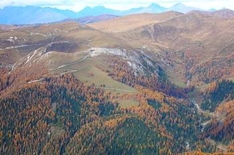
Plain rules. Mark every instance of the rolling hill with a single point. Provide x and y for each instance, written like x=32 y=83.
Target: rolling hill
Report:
x=131 y=22
x=94 y=19
x=194 y=41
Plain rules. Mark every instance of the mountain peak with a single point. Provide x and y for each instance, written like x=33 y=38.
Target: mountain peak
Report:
x=224 y=13
x=95 y=7
x=179 y=5
x=100 y=7
x=87 y=7
x=154 y=5
x=152 y=8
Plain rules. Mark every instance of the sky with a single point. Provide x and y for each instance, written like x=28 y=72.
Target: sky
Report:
x=77 y=5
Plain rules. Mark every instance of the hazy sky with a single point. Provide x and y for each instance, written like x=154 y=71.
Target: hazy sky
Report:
x=77 y=5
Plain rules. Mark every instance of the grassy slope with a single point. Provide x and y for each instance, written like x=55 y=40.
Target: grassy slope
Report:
x=131 y=22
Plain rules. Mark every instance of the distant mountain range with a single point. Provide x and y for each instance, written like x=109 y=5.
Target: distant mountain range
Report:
x=35 y=14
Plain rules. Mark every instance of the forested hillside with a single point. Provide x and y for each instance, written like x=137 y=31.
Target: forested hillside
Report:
x=160 y=85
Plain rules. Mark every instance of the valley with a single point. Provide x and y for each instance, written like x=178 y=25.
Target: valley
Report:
x=137 y=84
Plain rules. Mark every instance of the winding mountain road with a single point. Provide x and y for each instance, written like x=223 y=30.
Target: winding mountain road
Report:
x=123 y=90
x=217 y=144
x=74 y=62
